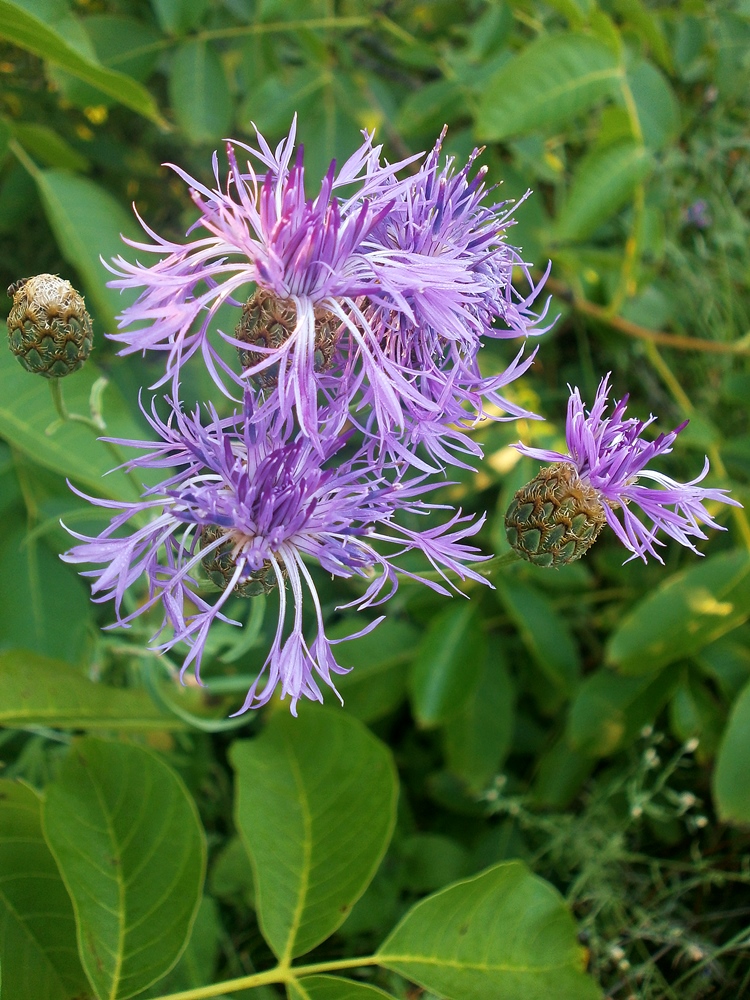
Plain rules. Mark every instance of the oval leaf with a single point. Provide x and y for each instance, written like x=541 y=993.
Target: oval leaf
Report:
x=37 y=926
x=448 y=665
x=656 y=104
x=731 y=779
x=544 y=632
x=335 y=988
x=26 y=410
x=127 y=839
x=315 y=806
x=504 y=934
x=609 y=710
x=603 y=182
x=690 y=610
x=38 y=691
x=199 y=93
x=22 y=28
x=554 y=79
x=87 y=222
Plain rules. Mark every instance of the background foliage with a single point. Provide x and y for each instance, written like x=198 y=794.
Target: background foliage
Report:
x=549 y=779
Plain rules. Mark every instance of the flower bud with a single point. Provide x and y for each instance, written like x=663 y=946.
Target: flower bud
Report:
x=220 y=566
x=268 y=322
x=554 y=519
x=49 y=330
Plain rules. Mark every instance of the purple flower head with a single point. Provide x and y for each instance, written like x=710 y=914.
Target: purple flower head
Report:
x=378 y=297
x=609 y=454
x=261 y=229
x=252 y=502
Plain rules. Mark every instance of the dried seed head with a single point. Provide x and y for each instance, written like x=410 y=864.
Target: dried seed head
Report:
x=49 y=330
x=268 y=322
x=220 y=565
x=554 y=519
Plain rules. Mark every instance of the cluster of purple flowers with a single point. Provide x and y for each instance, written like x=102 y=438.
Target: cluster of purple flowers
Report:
x=354 y=367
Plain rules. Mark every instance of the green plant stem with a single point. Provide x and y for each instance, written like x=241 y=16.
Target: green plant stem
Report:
x=280 y=974
x=95 y=423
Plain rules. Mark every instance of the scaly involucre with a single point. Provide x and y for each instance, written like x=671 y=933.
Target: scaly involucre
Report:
x=254 y=499
x=610 y=455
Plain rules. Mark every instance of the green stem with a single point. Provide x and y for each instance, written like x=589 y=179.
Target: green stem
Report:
x=94 y=422
x=280 y=974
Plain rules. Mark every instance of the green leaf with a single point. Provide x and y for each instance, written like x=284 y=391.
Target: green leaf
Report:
x=686 y=613
x=87 y=222
x=609 y=710
x=127 y=839
x=544 y=632
x=37 y=926
x=731 y=777
x=477 y=739
x=336 y=988
x=554 y=79
x=604 y=181
x=560 y=774
x=22 y=28
x=44 y=143
x=448 y=664
x=376 y=683
x=199 y=93
x=656 y=105
x=427 y=108
x=26 y=410
x=198 y=961
x=179 y=16
x=315 y=830
x=647 y=24
x=38 y=691
x=504 y=934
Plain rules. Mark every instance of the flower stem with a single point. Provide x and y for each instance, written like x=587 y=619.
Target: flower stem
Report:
x=279 y=974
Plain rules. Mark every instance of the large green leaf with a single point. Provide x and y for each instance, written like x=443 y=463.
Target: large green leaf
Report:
x=37 y=927
x=502 y=935
x=544 y=632
x=127 y=839
x=315 y=806
x=38 y=691
x=656 y=105
x=376 y=682
x=22 y=28
x=334 y=988
x=199 y=92
x=88 y=223
x=448 y=665
x=603 y=182
x=73 y=451
x=731 y=778
x=477 y=739
x=690 y=610
x=47 y=608
x=610 y=710
x=554 y=79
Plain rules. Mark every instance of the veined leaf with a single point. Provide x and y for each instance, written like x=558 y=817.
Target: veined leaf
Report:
x=199 y=92
x=314 y=829
x=692 y=609
x=504 y=933
x=37 y=926
x=38 y=691
x=26 y=411
x=731 y=777
x=128 y=842
x=335 y=988
x=22 y=28
x=88 y=224
x=554 y=79
x=604 y=181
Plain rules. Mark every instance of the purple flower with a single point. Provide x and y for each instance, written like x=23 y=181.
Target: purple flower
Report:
x=379 y=299
x=609 y=454
x=252 y=502
x=261 y=229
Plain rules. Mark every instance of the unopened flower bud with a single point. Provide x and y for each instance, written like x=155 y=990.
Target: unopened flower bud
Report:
x=554 y=519
x=49 y=330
